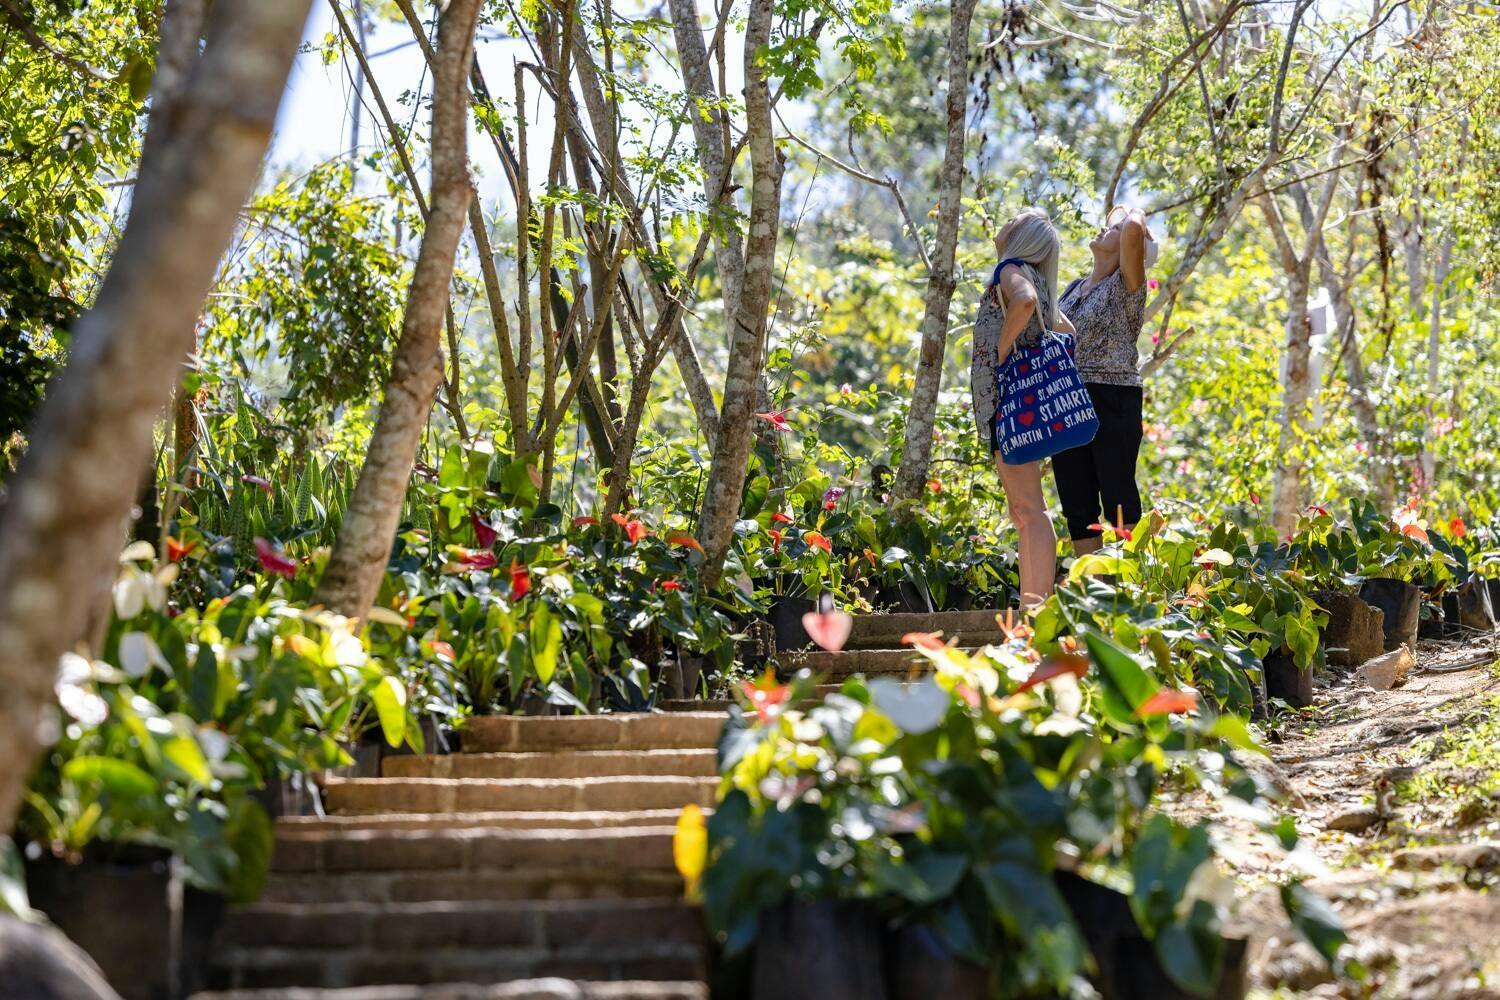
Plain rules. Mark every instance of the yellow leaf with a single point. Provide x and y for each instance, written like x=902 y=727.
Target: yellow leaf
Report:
x=305 y=647
x=690 y=847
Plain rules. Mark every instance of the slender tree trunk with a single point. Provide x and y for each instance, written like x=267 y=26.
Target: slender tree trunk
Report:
x=916 y=450
x=65 y=517
x=726 y=477
x=1434 y=359
x=355 y=568
x=1296 y=393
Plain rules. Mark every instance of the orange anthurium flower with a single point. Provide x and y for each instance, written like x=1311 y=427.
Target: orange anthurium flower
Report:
x=520 y=580
x=766 y=694
x=1456 y=528
x=634 y=530
x=1056 y=666
x=780 y=518
x=1168 y=702
x=579 y=522
x=176 y=550
x=818 y=541
x=444 y=650
x=671 y=585
x=935 y=484
x=776 y=538
x=924 y=640
x=685 y=540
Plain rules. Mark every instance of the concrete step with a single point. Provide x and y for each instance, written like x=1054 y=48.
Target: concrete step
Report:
x=295 y=826
x=552 y=988
x=548 y=925
x=870 y=662
x=525 y=989
x=694 y=762
x=618 y=731
x=380 y=866
x=367 y=796
x=972 y=628
x=477 y=849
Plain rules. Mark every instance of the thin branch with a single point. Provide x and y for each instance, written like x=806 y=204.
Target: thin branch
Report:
x=18 y=20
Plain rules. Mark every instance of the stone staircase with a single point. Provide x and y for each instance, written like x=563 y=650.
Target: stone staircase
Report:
x=535 y=864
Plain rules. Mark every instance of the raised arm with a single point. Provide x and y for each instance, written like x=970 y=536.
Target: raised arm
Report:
x=1019 y=297
x=1133 y=250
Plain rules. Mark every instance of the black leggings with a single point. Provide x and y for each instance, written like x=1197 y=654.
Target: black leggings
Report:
x=1096 y=483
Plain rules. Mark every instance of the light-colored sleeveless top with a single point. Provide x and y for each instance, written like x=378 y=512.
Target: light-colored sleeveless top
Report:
x=1108 y=319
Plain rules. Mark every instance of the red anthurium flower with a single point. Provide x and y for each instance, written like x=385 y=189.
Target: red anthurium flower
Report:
x=1318 y=509
x=776 y=420
x=1056 y=666
x=776 y=538
x=818 y=541
x=634 y=530
x=765 y=694
x=831 y=497
x=256 y=481
x=1168 y=702
x=482 y=529
x=829 y=629
x=176 y=550
x=520 y=580
x=1255 y=498
x=923 y=640
x=475 y=558
x=579 y=522
x=935 y=484
x=444 y=650
x=1456 y=528
x=780 y=518
x=273 y=561
x=685 y=540
x=1119 y=530
x=671 y=585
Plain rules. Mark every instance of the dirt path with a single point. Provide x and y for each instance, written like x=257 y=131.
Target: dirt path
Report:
x=1396 y=796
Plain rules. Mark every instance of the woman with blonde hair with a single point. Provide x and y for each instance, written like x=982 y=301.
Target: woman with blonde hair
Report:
x=1018 y=307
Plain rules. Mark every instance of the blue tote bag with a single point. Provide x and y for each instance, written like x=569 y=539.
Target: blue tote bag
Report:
x=1044 y=407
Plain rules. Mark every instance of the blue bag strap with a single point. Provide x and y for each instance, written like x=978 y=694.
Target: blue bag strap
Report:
x=995 y=278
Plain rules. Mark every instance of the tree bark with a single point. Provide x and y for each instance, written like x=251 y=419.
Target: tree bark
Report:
x=65 y=517
x=916 y=449
x=726 y=477
x=358 y=562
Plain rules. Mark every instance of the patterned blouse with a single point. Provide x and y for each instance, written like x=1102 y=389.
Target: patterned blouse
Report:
x=984 y=375
x=1108 y=319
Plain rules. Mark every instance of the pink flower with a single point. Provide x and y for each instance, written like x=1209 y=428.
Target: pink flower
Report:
x=483 y=532
x=1153 y=284
x=776 y=420
x=1360 y=448
x=273 y=561
x=256 y=481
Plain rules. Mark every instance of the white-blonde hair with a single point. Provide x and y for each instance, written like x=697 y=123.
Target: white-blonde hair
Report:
x=1033 y=239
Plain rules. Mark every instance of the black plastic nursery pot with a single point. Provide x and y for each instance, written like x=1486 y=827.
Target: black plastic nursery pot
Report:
x=1355 y=631
x=920 y=967
x=1475 y=608
x=1452 y=616
x=1493 y=586
x=1287 y=681
x=786 y=618
x=1127 y=964
x=117 y=906
x=1400 y=603
x=827 y=949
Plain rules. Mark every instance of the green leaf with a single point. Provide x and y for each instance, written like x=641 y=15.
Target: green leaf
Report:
x=925 y=878
x=250 y=837
x=117 y=777
x=546 y=642
x=1314 y=919
x=390 y=705
x=187 y=755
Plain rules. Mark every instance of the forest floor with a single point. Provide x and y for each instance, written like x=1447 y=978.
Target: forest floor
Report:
x=1396 y=797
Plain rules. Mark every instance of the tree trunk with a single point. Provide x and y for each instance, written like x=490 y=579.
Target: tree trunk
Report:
x=726 y=477
x=358 y=562
x=1296 y=392
x=65 y=517
x=1434 y=359
x=916 y=450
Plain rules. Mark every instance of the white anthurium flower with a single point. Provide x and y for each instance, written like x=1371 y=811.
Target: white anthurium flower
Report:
x=807 y=731
x=1067 y=696
x=82 y=704
x=130 y=594
x=144 y=707
x=215 y=743
x=385 y=616
x=72 y=670
x=240 y=654
x=138 y=552
x=160 y=726
x=228 y=770
x=1059 y=724
x=346 y=648
x=139 y=653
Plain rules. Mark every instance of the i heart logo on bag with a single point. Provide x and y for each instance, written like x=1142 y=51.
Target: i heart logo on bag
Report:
x=1023 y=368
x=1052 y=369
x=1028 y=400
x=1057 y=426
x=1026 y=418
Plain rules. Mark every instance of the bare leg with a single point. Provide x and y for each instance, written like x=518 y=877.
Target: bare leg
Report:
x=1083 y=546
x=1028 y=509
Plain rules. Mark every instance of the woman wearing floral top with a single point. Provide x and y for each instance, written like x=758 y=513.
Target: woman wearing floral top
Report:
x=1097 y=481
